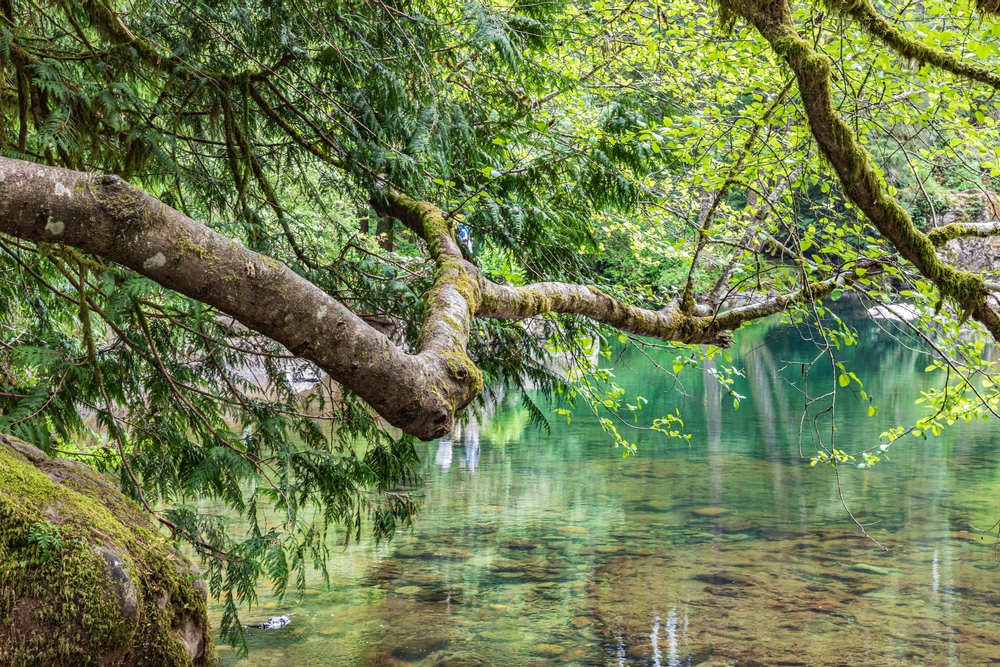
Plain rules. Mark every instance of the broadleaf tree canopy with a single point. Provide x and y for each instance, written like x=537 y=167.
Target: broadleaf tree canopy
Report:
x=201 y=201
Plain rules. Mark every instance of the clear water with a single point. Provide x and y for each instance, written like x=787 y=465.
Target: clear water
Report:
x=551 y=550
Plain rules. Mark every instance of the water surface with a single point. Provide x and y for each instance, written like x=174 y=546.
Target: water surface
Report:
x=728 y=549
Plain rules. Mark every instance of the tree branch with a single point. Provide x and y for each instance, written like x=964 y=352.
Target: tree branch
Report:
x=957 y=230
x=878 y=27
x=850 y=160
x=105 y=216
x=418 y=393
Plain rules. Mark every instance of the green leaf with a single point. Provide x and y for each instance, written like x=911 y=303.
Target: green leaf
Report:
x=844 y=379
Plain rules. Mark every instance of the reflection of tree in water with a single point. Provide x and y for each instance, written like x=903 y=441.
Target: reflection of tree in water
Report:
x=465 y=436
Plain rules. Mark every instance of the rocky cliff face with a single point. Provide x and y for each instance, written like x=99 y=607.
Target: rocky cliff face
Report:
x=971 y=254
x=85 y=579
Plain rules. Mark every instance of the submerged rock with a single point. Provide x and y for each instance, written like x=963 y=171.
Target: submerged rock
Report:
x=273 y=623
x=460 y=660
x=723 y=579
x=418 y=648
x=548 y=650
x=103 y=588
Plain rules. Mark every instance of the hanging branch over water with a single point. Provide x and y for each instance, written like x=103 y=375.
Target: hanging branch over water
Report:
x=418 y=392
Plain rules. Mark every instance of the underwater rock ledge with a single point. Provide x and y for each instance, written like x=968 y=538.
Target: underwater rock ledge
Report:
x=85 y=578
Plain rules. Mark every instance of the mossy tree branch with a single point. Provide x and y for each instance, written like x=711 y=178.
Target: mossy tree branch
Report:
x=851 y=161
x=958 y=230
x=419 y=392
x=105 y=216
x=876 y=25
x=490 y=300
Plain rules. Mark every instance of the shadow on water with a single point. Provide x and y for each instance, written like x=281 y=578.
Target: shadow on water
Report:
x=728 y=550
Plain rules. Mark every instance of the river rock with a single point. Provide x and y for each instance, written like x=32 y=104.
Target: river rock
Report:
x=575 y=654
x=573 y=530
x=824 y=606
x=409 y=551
x=580 y=621
x=417 y=648
x=409 y=590
x=521 y=545
x=737 y=526
x=693 y=654
x=460 y=660
x=653 y=508
x=113 y=593
x=548 y=650
x=609 y=548
x=723 y=579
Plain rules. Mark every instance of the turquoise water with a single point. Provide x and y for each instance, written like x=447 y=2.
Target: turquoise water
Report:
x=535 y=549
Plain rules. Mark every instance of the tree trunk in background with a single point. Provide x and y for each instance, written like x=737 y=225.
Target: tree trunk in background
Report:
x=386 y=226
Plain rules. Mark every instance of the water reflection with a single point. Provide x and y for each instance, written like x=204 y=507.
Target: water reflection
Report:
x=463 y=436
x=534 y=550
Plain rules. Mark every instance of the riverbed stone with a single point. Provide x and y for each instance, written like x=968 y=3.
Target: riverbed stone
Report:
x=460 y=660
x=711 y=511
x=609 y=548
x=574 y=654
x=409 y=590
x=548 y=650
x=521 y=545
x=419 y=647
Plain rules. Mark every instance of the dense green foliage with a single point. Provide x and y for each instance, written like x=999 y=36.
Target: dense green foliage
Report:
x=611 y=144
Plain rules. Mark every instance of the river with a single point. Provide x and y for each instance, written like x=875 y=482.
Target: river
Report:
x=727 y=549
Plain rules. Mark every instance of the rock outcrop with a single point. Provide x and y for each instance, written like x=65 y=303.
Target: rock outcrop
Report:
x=85 y=579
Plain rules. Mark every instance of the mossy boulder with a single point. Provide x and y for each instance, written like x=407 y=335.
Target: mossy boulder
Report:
x=85 y=578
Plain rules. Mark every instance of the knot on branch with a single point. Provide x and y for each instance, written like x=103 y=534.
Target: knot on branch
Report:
x=123 y=203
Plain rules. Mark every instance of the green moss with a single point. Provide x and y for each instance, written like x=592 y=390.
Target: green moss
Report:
x=187 y=248
x=941 y=235
x=865 y=14
x=67 y=608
